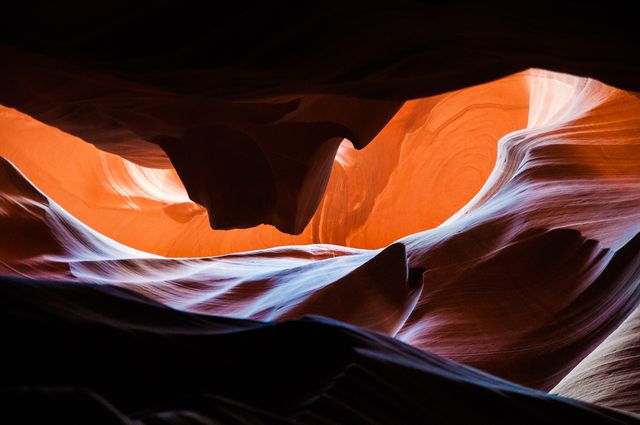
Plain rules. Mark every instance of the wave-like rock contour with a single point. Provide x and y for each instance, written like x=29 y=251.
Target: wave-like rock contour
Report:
x=524 y=282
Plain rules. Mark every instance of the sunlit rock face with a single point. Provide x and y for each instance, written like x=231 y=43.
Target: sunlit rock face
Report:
x=249 y=106
x=434 y=155
x=608 y=376
x=549 y=245
x=504 y=219
x=362 y=212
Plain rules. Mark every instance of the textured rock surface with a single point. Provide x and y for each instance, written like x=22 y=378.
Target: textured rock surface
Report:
x=170 y=367
x=499 y=228
x=553 y=231
x=609 y=376
x=272 y=90
x=434 y=155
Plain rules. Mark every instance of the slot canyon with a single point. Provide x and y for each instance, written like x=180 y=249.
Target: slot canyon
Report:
x=356 y=212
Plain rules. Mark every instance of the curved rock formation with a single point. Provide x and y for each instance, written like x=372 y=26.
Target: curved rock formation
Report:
x=274 y=284
x=133 y=82
x=553 y=231
x=609 y=375
x=498 y=227
x=190 y=368
x=540 y=234
x=424 y=152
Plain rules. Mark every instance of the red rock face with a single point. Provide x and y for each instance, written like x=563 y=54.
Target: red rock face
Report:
x=450 y=189
x=494 y=225
x=434 y=154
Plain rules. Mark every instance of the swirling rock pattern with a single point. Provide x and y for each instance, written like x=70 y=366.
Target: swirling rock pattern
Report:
x=133 y=81
x=499 y=227
x=553 y=231
x=443 y=147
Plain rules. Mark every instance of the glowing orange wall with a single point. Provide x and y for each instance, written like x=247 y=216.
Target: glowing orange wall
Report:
x=427 y=163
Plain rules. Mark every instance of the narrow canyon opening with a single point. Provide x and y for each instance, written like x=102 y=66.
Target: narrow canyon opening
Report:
x=427 y=163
